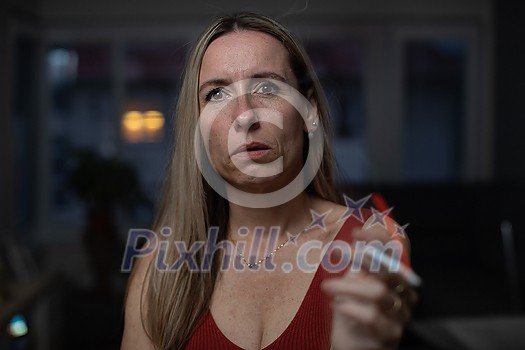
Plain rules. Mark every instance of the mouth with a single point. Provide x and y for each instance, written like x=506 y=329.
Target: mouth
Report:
x=252 y=149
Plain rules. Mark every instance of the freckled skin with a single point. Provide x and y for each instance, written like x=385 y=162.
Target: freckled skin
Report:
x=243 y=55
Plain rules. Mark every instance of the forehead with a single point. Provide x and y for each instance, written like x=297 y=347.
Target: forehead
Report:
x=238 y=55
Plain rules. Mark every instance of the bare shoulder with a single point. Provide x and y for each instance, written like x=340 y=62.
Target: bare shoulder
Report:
x=328 y=214
x=375 y=226
x=135 y=336
x=333 y=211
x=382 y=227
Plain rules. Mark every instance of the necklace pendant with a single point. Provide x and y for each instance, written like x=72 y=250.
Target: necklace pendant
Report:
x=291 y=238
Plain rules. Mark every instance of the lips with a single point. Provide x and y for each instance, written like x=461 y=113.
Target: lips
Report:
x=251 y=147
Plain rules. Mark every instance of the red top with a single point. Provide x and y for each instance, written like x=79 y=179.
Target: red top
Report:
x=311 y=326
x=309 y=329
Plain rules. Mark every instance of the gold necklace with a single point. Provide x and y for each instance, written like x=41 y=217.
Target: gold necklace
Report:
x=259 y=262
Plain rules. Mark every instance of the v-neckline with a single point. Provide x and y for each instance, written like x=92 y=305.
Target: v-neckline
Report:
x=309 y=291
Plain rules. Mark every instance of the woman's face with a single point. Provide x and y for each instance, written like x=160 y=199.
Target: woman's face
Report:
x=255 y=135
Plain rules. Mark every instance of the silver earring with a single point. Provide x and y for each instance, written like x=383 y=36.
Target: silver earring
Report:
x=311 y=132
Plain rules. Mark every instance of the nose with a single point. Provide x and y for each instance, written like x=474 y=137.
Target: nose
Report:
x=246 y=116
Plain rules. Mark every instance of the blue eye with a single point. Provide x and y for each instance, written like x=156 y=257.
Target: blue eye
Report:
x=267 y=88
x=216 y=94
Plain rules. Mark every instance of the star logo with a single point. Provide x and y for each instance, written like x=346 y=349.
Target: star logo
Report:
x=292 y=239
x=318 y=220
x=400 y=231
x=378 y=218
x=354 y=208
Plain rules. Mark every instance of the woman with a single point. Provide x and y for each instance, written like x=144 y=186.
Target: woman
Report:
x=240 y=115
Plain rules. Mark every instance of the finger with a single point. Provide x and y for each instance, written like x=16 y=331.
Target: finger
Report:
x=399 y=309
x=374 y=248
x=384 y=260
x=399 y=285
x=360 y=287
x=371 y=318
x=369 y=290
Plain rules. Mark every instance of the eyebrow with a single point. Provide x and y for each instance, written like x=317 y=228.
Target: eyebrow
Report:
x=222 y=82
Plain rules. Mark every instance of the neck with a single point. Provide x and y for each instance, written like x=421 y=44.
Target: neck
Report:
x=292 y=216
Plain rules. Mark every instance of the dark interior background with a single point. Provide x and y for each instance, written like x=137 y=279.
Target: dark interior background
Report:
x=68 y=285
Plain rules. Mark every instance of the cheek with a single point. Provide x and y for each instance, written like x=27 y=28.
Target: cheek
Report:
x=218 y=139
x=214 y=126
x=294 y=127
x=293 y=136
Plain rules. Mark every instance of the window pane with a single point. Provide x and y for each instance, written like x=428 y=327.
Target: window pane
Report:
x=340 y=67
x=81 y=117
x=152 y=77
x=434 y=109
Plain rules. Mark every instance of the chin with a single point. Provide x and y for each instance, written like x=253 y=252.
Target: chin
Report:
x=253 y=184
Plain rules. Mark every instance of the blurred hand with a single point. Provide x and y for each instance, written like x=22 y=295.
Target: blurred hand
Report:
x=370 y=309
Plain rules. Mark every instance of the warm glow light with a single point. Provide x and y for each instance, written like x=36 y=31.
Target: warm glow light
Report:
x=153 y=120
x=143 y=127
x=133 y=121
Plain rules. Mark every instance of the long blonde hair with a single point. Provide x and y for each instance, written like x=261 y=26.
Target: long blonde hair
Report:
x=189 y=206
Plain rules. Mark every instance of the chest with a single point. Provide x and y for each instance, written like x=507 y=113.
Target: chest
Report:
x=253 y=308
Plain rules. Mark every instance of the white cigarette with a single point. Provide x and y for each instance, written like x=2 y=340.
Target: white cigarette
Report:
x=408 y=274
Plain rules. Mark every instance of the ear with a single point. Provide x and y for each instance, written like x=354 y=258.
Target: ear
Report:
x=312 y=118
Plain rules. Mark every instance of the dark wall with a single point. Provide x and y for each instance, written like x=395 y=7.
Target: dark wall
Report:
x=456 y=242
x=6 y=173
x=509 y=117
x=455 y=228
